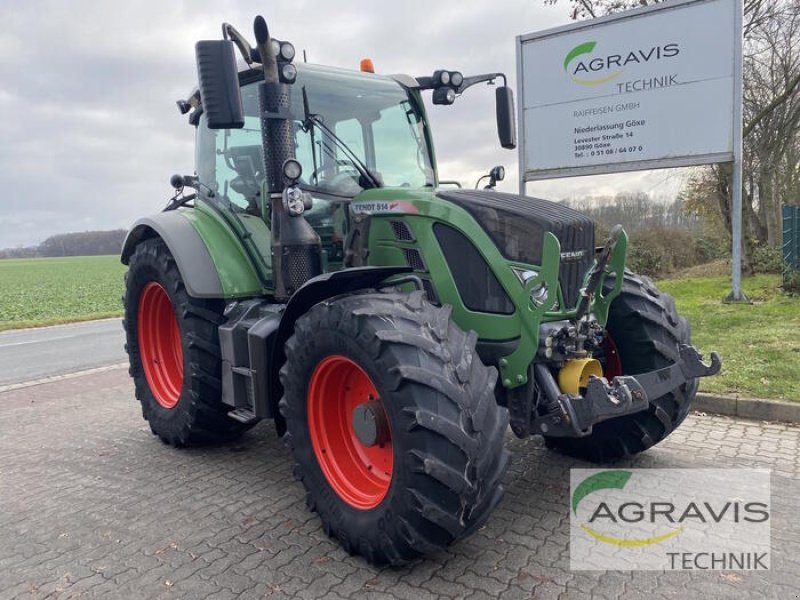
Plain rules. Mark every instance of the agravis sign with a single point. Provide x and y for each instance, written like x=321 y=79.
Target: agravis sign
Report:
x=648 y=88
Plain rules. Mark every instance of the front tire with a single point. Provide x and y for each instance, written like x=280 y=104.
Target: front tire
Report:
x=430 y=471
x=646 y=331
x=173 y=348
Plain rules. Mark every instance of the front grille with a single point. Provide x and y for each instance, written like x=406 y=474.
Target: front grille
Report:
x=414 y=259
x=402 y=232
x=476 y=283
x=430 y=292
x=517 y=225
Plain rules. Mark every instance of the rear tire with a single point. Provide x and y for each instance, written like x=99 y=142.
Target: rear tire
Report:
x=647 y=330
x=173 y=348
x=445 y=431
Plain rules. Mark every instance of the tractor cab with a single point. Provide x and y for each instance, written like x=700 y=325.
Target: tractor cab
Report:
x=350 y=131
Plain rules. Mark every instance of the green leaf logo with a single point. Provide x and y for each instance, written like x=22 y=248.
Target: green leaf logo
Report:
x=612 y=480
x=584 y=48
x=599 y=481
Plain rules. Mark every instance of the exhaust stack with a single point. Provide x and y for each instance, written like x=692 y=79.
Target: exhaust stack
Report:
x=296 y=248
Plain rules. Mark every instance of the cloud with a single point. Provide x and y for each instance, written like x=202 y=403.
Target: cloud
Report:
x=90 y=130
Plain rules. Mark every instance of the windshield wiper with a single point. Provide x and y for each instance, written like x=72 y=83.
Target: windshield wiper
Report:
x=308 y=127
x=310 y=120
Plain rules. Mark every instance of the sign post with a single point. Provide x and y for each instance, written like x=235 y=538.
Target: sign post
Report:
x=737 y=295
x=650 y=88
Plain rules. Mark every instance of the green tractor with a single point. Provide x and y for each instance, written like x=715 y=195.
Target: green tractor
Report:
x=318 y=275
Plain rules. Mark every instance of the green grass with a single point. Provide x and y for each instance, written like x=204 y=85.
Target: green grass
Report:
x=46 y=291
x=759 y=343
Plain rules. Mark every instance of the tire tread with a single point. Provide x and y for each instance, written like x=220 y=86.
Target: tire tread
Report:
x=448 y=501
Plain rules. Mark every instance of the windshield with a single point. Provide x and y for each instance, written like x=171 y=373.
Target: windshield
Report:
x=352 y=131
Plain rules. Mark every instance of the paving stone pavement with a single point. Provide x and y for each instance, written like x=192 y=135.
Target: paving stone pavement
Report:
x=94 y=506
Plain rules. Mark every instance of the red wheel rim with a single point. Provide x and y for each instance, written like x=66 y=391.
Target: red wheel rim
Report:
x=359 y=474
x=612 y=365
x=160 y=345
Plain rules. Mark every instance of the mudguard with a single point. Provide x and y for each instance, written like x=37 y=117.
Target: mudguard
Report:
x=327 y=285
x=211 y=261
x=187 y=247
x=313 y=291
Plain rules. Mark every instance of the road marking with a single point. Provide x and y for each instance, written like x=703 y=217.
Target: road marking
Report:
x=26 y=384
x=44 y=340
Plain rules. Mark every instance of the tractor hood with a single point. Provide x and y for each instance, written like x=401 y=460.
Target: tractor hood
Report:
x=517 y=225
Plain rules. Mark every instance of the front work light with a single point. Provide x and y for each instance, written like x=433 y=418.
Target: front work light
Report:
x=276 y=47
x=287 y=51
x=283 y=51
x=294 y=201
x=539 y=294
x=524 y=275
x=292 y=169
x=288 y=73
x=444 y=95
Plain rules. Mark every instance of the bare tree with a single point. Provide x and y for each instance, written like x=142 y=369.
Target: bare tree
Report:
x=771 y=133
x=756 y=12
x=772 y=113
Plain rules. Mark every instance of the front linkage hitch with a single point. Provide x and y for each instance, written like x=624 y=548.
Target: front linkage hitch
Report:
x=569 y=415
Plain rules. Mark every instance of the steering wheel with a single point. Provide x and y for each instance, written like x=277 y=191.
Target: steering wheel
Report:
x=340 y=162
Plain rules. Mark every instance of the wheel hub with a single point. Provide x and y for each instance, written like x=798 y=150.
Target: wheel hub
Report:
x=369 y=423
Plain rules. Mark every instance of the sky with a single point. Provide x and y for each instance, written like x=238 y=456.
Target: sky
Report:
x=90 y=130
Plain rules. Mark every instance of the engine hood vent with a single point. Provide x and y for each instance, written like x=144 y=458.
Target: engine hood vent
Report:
x=517 y=225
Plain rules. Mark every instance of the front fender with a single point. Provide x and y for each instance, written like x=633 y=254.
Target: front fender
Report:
x=316 y=290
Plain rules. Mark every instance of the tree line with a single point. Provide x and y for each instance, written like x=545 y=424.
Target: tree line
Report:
x=86 y=243
x=665 y=236
x=638 y=211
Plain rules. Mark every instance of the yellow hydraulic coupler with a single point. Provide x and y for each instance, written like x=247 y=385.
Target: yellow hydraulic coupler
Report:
x=575 y=374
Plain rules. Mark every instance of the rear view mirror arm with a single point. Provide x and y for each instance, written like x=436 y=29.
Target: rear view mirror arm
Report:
x=229 y=32
x=475 y=79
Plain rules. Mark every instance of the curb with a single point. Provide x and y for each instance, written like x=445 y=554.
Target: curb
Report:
x=54 y=378
x=748 y=408
x=57 y=325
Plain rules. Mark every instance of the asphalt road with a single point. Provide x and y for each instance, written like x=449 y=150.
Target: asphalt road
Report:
x=28 y=354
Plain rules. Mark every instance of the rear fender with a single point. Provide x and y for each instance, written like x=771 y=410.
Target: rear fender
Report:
x=186 y=246
x=211 y=260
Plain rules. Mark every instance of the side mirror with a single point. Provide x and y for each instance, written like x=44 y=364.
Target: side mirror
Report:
x=219 y=84
x=506 y=127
